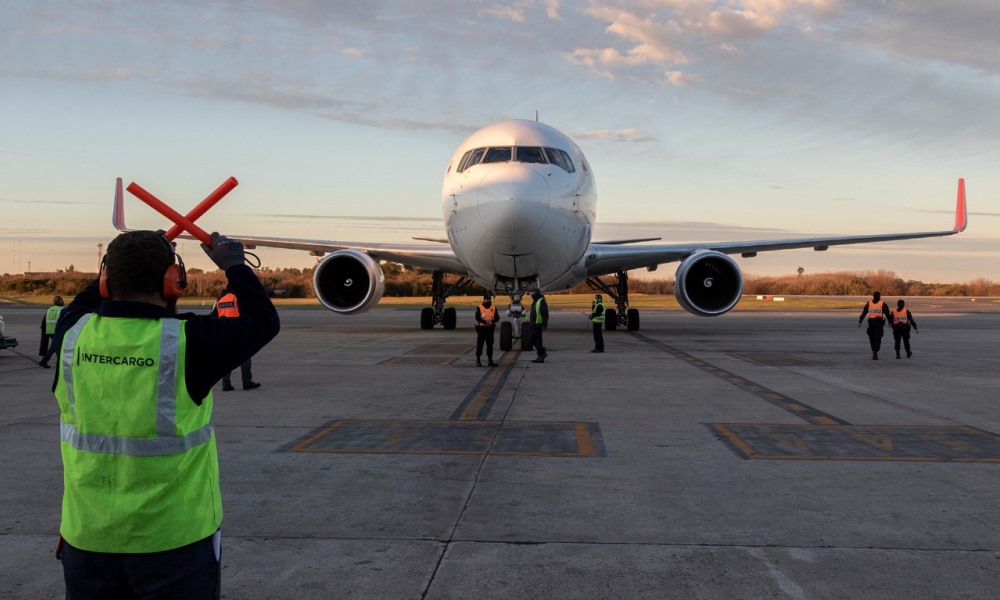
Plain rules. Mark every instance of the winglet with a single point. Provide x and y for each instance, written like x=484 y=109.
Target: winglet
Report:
x=118 y=215
x=961 y=216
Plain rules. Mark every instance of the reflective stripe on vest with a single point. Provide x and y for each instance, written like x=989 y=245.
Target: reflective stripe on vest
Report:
x=600 y=318
x=227 y=306
x=538 y=311
x=51 y=318
x=899 y=317
x=487 y=314
x=139 y=456
x=875 y=312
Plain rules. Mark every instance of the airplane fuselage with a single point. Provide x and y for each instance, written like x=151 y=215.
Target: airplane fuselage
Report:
x=519 y=203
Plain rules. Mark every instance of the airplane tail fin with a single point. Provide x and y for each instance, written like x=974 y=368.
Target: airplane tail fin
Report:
x=961 y=215
x=118 y=214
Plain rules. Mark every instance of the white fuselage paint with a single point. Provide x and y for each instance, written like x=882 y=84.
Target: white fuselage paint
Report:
x=524 y=221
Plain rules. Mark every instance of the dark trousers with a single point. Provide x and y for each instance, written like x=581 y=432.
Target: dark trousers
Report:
x=875 y=336
x=50 y=347
x=536 y=340
x=598 y=336
x=192 y=572
x=244 y=372
x=901 y=334
x=484 y=335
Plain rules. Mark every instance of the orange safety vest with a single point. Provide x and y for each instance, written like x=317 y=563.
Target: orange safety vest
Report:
x=899 y=316
x=875 y=312
x=487 y=314
x=226 y=307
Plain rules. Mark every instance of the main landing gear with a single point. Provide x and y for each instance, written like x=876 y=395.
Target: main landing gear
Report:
x=618 y=291
x=437 y=313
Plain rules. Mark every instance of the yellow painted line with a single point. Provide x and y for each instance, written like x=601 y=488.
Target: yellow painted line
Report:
x=825 y=421
x=735 y=440
x=303 y=446
x=472 y=410
x=793 y=406
x=584 y=444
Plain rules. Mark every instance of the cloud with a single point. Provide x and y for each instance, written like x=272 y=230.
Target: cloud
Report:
x=619 y=135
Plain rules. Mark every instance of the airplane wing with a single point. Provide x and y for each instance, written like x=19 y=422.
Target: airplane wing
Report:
x=433 y=255
x=603 y=259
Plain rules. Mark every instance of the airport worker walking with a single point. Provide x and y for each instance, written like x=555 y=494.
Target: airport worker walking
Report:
x=141 y=505
x=597 y=318
x=875 y=311
x=538 y=316
x=47 y=348
x=486 y=325
x=902 y=320
x=227 y=307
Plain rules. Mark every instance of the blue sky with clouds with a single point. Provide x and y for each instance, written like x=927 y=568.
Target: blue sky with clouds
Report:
x=704 y=120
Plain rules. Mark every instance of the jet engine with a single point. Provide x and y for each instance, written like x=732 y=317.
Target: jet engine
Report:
x=348 y=282
x=708 y=283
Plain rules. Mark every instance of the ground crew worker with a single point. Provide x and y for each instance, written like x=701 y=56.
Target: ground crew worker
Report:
x=597 y=318
x=538 y=316
x=227 y=307
x=875 y=311
x=902 y=320
x=141 y=501
x=486 y=325
x=47 y=347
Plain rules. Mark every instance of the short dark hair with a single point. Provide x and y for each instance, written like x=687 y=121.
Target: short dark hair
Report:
x=136 y=262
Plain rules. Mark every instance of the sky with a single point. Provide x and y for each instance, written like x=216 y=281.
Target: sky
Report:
x=703 y=120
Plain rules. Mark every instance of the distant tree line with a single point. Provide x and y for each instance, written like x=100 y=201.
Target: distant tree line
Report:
x=297 y=283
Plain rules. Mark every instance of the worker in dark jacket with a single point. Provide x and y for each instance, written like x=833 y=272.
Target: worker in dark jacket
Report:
x=227 y=306
x=902 y=320
x=48 y=347
x=875 y=311
x=141 y=504
x=538 y=316
x=597 y=319
x=486 y=325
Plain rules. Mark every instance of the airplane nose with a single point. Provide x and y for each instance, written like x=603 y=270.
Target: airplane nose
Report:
x=513 y=201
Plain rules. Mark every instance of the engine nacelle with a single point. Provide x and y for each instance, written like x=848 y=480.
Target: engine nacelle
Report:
x=348 y=282
x=708 y=283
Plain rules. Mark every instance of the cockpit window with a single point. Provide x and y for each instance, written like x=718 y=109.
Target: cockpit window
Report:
x=472 y=157
x=568 y=161
x=529 y=154
x=495 y=155
x=524 y=154
x=555 y=158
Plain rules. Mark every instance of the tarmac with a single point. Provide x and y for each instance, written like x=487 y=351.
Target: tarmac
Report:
x=761 y=454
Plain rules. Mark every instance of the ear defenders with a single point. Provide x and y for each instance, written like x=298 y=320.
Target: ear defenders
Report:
x=174 y=278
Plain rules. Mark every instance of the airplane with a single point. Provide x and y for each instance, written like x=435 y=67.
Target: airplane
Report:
x=519 y=204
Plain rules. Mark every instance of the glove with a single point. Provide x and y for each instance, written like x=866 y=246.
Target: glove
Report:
x=224 y=252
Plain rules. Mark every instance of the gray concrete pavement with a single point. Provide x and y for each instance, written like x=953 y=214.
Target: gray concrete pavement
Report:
x=377 y=461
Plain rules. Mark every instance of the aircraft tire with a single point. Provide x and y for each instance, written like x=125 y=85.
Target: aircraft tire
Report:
x=506 y=336
x=526 y=344
x=633 y=319
x=449 y=319
x=610 y=319
x=427 y=318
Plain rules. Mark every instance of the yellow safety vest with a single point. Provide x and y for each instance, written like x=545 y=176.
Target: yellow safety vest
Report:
x=538 y=311
x=51 y=318
x=140 y=465
x=599 y=319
